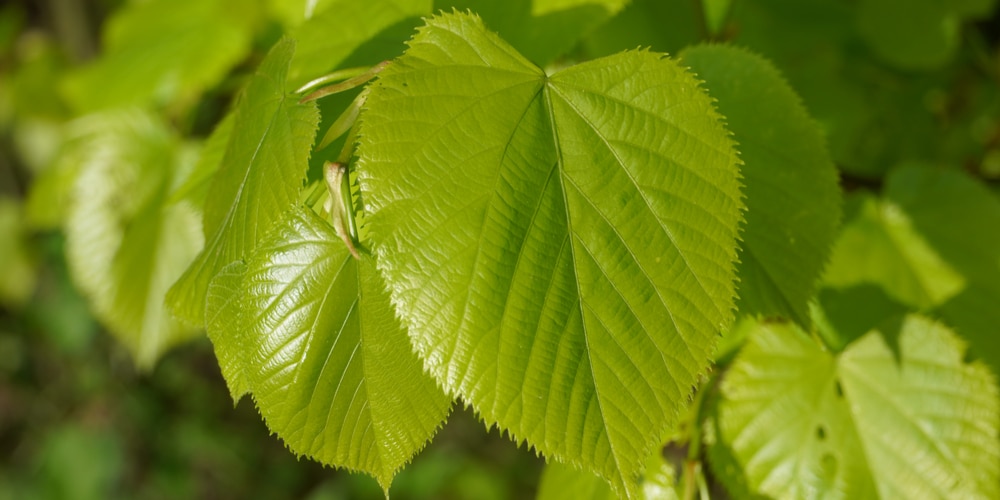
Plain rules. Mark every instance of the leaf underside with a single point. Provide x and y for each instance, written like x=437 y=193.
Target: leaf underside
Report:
x=560 y=247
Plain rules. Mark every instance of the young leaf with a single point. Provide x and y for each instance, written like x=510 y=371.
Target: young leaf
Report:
x=124 y=244
x=793 y=198
x=162 y=50
x=561 y=247
x=259 y=179
x=804 y=423
x=224 y=324
x=333 y=372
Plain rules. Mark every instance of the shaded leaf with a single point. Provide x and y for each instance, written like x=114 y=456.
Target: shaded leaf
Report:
x=333 y=373
x=259 y=179
x=226 y=328
x=803 y=423
x=561 y=247
x=561 y=481
x=791 y=184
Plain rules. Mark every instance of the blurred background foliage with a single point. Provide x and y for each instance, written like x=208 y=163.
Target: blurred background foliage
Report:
x=894 y=83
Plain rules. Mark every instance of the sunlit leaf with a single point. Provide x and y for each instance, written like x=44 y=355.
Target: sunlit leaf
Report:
x=561 y=247
x=259 y=179
x=561 y=481
x=803 y=423
x=163 y=50
x=124 y=244
x=541 y=30
x=332 y=371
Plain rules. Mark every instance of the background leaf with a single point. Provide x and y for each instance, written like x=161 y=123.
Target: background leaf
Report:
x=259 y=179
x=124 y=244
x=561 y=481
x=333 y=373
x=560 y=246
x=864 y=424
x=162 y=51
x=793 y=198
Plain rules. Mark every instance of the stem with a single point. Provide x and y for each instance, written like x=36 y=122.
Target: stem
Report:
x=336 y=76
x=348 y=200
x=348 y=84
x=692 y=466
x=344 y=122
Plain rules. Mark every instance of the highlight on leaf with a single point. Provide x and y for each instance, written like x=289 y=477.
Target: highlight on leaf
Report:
x=560 y=246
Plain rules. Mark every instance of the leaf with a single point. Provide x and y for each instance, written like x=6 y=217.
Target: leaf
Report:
x=195 y=186
x=561 y=247
x=18 y=273
x=343 y=27
x=124 y=244
x=224 y=324
x=161 y=51
x=662 y=25
x=541 y=30
x=561 y=481
x=259 y=179
x=881 y=246
x=805 y=423
x=924 y=38
x=333 y=373
x=791 y=184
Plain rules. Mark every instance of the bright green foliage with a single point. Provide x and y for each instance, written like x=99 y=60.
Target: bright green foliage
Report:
x=803 y=423
x=560 y=246
x=793 y=199
x=560 y=481
x=358 y=26
x=332 y=371
x=163 y=50
x=259 y=179
x=931 y=243
x=195 y=187
x=125 y=245
x=541 y=30
x=226 y=328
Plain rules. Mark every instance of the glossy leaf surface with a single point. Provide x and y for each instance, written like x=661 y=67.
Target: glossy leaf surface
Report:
x=259 y=179
x=332 y=371
x=560 y=246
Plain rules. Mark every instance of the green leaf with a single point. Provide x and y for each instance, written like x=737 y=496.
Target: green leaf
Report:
x=662 y=25
x=333 y=373
x=224 y=324
x=560 y=481
x=162 y=51
x=194 y=188
x=931 y=244
x=124 y=244
x=345 y=26
x=880 y=246
x=17 y=267
x=259 y=179
x=791 y=184
x=910 y=34
x=541 y=30
x=561 y=247
x=804 y=423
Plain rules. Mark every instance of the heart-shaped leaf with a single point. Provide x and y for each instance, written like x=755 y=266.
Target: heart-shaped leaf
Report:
x=560 y=246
